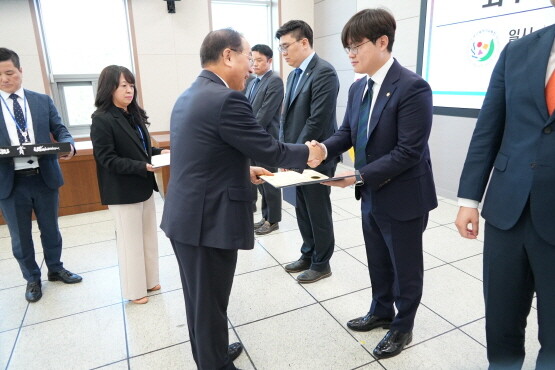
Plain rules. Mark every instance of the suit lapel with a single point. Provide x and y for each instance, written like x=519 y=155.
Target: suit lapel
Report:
x=33 y=105
x=538 y=56
x=386 y=91
x=122 y=121
x=305 y=76
x=4 y=136
x=261 y=86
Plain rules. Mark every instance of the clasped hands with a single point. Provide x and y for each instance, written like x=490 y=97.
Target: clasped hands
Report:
x=317 y=153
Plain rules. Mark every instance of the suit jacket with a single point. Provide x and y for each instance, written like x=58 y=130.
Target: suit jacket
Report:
x=46 y=121
x=213 y=135
x=267 y=102
x=398 y=170
x=311 y=114
x=513 y=136
x=121 y=159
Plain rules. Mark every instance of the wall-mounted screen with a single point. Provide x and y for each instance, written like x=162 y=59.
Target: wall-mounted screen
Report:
x=460 y=42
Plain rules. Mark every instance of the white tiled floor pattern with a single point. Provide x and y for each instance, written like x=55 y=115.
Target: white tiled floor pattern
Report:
x=282 y=324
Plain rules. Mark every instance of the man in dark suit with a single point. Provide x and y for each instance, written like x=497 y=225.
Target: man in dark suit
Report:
x=265 y=93
x=31 y=183
x=514 y=141
x=388 y=122
x=208 y=207
x=309 y=114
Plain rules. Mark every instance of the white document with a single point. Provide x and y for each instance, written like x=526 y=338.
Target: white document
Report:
x=161 y=160
x=292 y=178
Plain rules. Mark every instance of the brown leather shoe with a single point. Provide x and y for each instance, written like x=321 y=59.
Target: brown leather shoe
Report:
x=259 y=223
x=140 y=300
x=154 y=288
x=266 y=228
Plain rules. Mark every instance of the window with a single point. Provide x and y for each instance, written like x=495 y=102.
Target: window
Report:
x=254 y=19
x=77 y=49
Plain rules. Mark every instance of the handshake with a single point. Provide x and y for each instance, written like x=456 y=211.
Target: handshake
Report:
x=317 y=153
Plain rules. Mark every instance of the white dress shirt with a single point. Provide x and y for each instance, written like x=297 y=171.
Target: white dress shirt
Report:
x=20 y=163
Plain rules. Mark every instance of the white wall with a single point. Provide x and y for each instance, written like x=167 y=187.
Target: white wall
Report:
x=168 y=52
x=18 y=35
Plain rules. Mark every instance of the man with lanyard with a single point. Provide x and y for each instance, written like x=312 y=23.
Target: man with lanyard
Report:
x=31 y=183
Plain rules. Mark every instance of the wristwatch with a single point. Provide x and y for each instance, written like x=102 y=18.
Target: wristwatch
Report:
x=359 y=181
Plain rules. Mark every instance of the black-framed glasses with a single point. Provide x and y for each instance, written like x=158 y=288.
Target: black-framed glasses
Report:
x=283 y=47
x=249 y=57
x=354 y=49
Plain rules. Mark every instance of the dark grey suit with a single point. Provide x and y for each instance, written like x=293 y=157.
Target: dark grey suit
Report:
x=208 y=207
x=310 y=115
x=266 y=105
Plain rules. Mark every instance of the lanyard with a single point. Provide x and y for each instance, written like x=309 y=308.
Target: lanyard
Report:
x=142 y=136
x=21 y=129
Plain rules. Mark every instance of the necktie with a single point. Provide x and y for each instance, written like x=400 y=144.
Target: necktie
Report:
x=362 y=128
x=296 y=77
x=20 y=121
x=550 y=94
x=254 y=89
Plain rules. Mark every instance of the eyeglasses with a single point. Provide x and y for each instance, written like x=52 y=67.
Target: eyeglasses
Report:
x=251 y=61
x=354 y=49
x=283 y=48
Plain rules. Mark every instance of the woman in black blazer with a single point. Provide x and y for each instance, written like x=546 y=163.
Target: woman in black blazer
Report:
x=122 y=151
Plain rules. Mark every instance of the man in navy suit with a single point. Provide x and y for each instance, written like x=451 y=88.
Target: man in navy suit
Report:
x=388 y=122
x=31 y=183
x=265 y=92
x=309 y=114
x=208 y=207
x=514 y=142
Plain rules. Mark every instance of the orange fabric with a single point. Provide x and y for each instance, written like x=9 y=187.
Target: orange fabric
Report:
x=550 y=94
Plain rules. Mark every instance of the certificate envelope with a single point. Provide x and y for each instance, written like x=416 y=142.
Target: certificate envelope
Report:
x=292 y=178
x=160 y=160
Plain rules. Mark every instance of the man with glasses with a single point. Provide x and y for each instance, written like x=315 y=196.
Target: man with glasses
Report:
x=388 y=122
x=208 y=207
x=309 y=114
x=265 y=93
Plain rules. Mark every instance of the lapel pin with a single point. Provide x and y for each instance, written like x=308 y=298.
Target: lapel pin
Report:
x=388 y=94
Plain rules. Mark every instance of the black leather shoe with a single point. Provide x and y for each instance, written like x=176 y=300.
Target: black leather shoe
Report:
x=368 y=322
x=33 y=292
x=234 y=350
x=312 y=276
x=259 y=223
x=298 y=266
x=64 y=275
x=392 y=344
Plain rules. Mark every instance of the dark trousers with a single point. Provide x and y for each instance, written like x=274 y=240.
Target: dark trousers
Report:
x=315 y=223
x=518 y=262
x=30 y=194
x=395 y=263
x=207 y=277
x=271 y=199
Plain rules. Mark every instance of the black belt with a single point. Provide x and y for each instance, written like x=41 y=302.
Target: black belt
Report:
x=27 y=172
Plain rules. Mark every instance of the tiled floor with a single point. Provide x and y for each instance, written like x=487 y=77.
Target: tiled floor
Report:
x=282 y=324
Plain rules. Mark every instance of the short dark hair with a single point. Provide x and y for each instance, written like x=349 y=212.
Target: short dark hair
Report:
x=264 y=50
x=108 y=82
x=298 y=29
x=371 y=24
x=216 y=42
x=7 y=54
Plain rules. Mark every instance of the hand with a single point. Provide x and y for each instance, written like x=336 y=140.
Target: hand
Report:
x=466 y=216
x=151 y=168
x=259 y=171
x=343 y=183
x=69 y=155
x=316 y=153
x=165 y=151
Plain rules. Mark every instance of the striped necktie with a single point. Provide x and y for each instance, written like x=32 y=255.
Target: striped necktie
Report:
x=362 y=128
